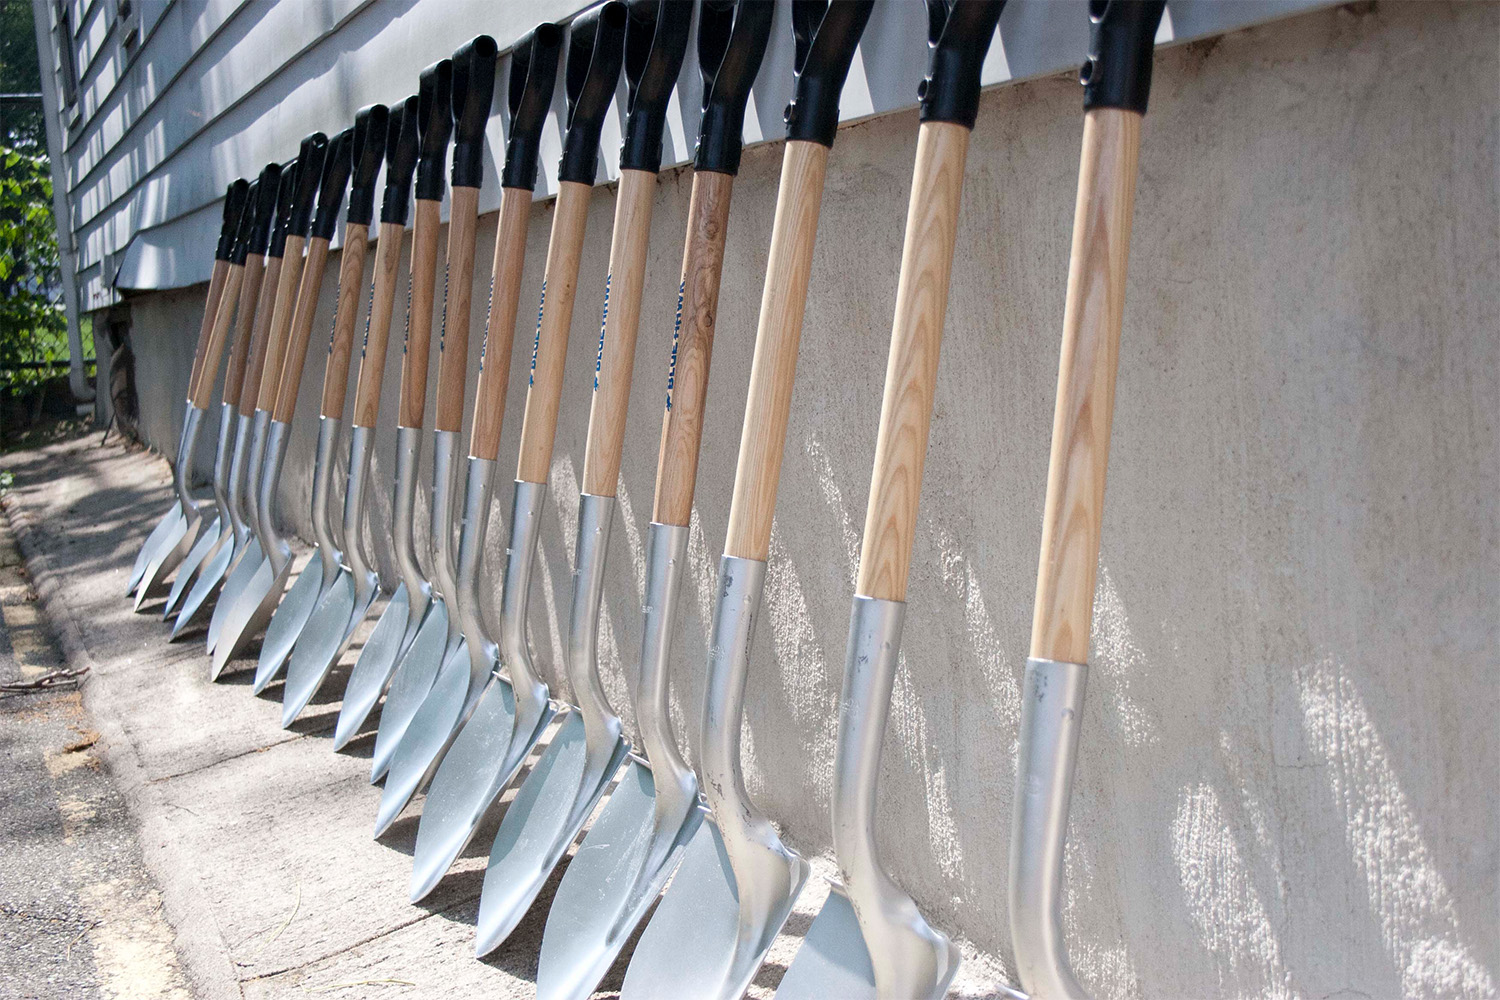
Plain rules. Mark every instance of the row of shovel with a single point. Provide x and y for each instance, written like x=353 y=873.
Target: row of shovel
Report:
x=464 y=708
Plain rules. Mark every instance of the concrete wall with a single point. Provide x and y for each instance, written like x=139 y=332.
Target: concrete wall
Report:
x=1290 y=727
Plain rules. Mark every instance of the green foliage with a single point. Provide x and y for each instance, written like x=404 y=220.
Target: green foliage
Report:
x=21 y=124
x=33 y=326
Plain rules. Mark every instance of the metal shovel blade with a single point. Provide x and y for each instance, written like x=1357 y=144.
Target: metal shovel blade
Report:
x=203 y=548
x=427 y=736
x=154 y=544
x=833 y=960
x=176 y=546
x=240 y=575
x=614 y=877
x=540 y=825
x=415 y=672
x=373 y=670
x=206 y=587
x=250 y=613
x=287 y=621
x=323 y=641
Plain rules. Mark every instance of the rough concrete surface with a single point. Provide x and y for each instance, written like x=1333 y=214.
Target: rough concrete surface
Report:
x=1289 y=744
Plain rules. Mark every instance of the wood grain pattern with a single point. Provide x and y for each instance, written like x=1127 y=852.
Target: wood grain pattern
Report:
x=1074 y=511
x=244 y=328
x=367 y=389
x=422 y=282
x=300 y=335
x=453 y=342
x=911 y=368
x=265 y=306
x=550 y=349
x=345 y=315
x=500 y=325
x=293 y=262
x=614 y=365
x=777 y=338
x=692 y=348
x=223 y=319
x=210 y=313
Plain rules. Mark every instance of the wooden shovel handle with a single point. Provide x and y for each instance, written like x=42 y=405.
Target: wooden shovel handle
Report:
x=1074 y=511
x=453 y=343
x=911 y=369
x=692 y=347
x=300 y=334
x=423 y=279
x=205 y=329
x=345 y=316
x=255 y=363
x=500 y=327
x=550 y=349
x=774 y=369
x=244 y=327
x=292 y=264
x=378 y=325
x=615 y=363
x=223 y=319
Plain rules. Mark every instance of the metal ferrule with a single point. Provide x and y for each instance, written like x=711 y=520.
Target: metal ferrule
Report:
x=676 y=784
x=322 y=496
x=185 y=448
x=238 y=472
x=275 y=547
x=366 y=580
x=1051 y=711
x=515 y=652
x=444 y=573
x=909 y=957
x=260 y=426
x=602 y=728
x=403 y=524
x=222 y=452
x=479 y=493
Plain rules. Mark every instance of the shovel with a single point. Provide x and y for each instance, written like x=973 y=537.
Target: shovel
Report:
x=870 y=940
x=595 y=47
x=168 y=531
x=252 y=607
x=579 y=762
x=399 y=621
x=322 y=568
x=634 y=845
x=262 y=272
x=435 y=128
x=257 y=213
x=738 y=881
x=1117 y=83
x=344 y=606
x=175 y=543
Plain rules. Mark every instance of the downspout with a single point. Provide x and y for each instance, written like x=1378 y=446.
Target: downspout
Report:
x=67 y=250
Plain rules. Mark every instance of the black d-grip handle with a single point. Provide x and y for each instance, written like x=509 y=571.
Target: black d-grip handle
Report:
x=286 y=193
x=596 y=48
x=731 y=44
x=234 y=205
x=242 y=232
x=533 y=77
x=1122 y=37
x=265 y=208
x=434 y=127
x=309 y=172
x=827 y=35
x=365 y=153
x=331 y=187
x=959 y=33
x=473 y=93
x=655 y=44
x=400 y=161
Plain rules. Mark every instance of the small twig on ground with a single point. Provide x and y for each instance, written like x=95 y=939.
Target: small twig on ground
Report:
x=56 y=678
x=296 y=905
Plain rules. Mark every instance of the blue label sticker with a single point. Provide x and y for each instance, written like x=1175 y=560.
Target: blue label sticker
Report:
x=603 y=325
x=676 y=331
x=536 y=343
x=489 y=307
x=443 y=326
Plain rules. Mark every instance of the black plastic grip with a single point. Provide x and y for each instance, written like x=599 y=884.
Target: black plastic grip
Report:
x=434 y=127
x=400 y=161
x=365 y=153
x=533 y=78
x=331 y=187
x=473 y=94
x=731 y=45
x=286 y=192
x=309 y=172
x=246 y=224
x=959 y=33
x=234 y=205
x=827 y=35
x=1122 y=37
x=596 y=48
x=265 y=209
x=655 y=44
